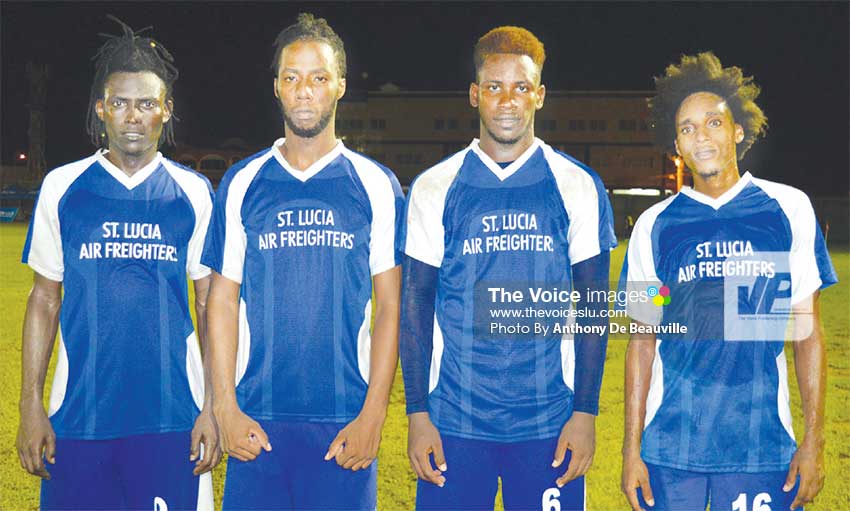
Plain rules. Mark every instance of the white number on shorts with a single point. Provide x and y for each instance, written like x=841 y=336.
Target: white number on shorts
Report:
x=760 y=502
x=550 y=501
x=159 y=504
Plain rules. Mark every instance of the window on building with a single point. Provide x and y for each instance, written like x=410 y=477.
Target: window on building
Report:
x=439 y=124
x=644 y=125
x=548 y=125
x=598 y=125
x=474 y=123
x=628 y=125
x=377 y=124
x=451 y=124
x=577 y=125
x=188 y=162
x=409 y=158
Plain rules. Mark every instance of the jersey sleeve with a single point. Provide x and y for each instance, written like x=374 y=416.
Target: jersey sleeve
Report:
x=226 y=240
x=203 y=215
x=639 y=272
x=590 y=348
x=386 y=233
x=43 y=246
x=809 y=261
x=416 y=330
x=424 y=230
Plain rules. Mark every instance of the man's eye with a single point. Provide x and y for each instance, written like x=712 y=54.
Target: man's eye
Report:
x=685 y=130
x=522 y=88
x=714 y=123
x=321 y=79
x=493 y=88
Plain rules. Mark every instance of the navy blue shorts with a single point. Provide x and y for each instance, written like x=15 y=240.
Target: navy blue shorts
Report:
x=675 y=490
x=138 y=472
x=295 y=475
x=528 y=479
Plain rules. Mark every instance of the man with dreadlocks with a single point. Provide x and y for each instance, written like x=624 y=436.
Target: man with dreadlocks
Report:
x=119 y=231
x=302 y=233
x=708 y=419
x=512 y=214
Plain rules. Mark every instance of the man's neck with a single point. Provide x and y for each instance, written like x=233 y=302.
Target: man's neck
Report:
x=303 y=152
x=718 y=184
x=501 y=153
x=130 y=164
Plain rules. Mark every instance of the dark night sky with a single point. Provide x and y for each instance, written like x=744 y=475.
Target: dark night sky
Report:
x=798 y=53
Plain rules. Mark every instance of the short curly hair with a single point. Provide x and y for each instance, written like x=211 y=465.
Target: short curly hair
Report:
x=704 y=73
x=509 y=39
x=309 y=28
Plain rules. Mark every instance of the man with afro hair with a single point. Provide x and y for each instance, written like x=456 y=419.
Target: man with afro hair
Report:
x=508 y=214
x=119 y=231
x=731 y=260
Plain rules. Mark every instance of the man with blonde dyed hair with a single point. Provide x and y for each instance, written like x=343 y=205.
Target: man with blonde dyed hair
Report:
x=488 y=229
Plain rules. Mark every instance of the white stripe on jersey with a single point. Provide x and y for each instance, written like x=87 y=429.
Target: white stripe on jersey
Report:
x=581 y=202
x=379 y=188
x=364 y=344
x=656 y=386
x=233 y=257
x=436 y=356
x=60 y=379
x=425 y=240
x=197 y=191
x=45 y=250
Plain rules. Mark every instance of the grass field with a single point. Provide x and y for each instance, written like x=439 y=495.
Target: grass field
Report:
x=396 y=482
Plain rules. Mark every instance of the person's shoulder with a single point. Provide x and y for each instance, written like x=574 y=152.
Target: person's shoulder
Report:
x=439 y=176
x=71 y=169
x=564 y=162
x=366 y=164
x=245 y=166
x=781 y=191
x=188 y=174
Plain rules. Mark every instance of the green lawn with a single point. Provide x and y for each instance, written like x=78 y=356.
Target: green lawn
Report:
x=396 y=482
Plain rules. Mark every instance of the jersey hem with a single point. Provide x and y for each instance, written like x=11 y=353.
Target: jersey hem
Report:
x=498 y=438
x=715 y=469
x=74 y=435
x=299 y=418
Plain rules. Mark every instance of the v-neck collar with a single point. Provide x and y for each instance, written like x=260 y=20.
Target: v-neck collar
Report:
x=724 y=198
x=129 y=182
x=312 y=170
x=504 y=173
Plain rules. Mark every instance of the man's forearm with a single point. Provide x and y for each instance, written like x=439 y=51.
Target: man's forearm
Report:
x=810 y=365
x=41 y=321
x=383 y=358
x=639 y=357
x=202 y=288
x=222 y=339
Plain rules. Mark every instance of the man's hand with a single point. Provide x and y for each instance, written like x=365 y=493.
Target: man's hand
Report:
x=240 y=435
x=356 y=445
x=808 y=463
x=579 y=436
x=423 y=439
x=36 y=437
x=205 y=432
x=636 y=475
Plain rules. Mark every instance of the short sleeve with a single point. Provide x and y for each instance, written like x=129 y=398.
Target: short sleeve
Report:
x=43 y=246
x=425 y=233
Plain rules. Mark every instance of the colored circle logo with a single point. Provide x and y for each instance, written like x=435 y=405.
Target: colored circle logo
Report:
x=652 y=291
x=664 y=291
x=658 y=300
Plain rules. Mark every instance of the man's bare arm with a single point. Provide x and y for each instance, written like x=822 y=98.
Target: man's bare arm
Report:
x=205 y=430
x=362 y=436
x=810 y=366
x=41 y=320
x=639 y=358
x=240 y=436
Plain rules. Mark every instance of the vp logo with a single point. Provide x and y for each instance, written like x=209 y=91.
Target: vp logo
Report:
x=765 y=291
x=159 y=504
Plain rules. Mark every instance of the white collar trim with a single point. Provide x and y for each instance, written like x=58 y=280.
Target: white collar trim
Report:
x=312 y=170
x=724 y=198
x=504 y=173
x=129 y=182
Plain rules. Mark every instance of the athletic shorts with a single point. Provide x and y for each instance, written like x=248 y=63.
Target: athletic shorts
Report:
x=138 y=472
x=295 y=475
x=675 y=490
x=528 y=479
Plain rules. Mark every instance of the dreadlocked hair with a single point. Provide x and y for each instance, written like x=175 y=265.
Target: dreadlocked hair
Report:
x=128 y=53
x=704 y=73
x=307 y=27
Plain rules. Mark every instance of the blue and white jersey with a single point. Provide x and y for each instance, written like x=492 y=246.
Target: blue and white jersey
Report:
x=734 y=265
x=520 y=226
x=304 y=245
x=129 y=362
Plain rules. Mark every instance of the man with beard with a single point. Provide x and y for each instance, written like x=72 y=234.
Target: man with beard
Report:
x=300 y=232
x=708 y=416
x=508 y=212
